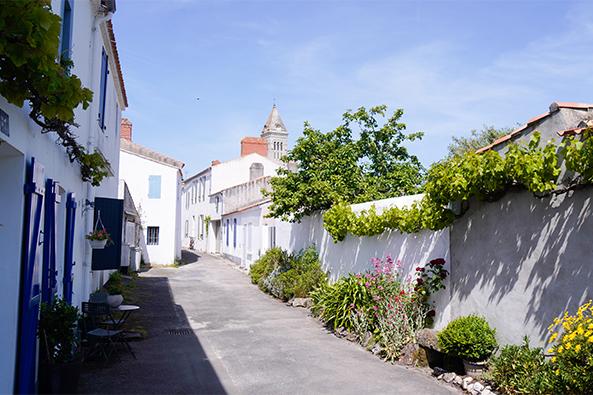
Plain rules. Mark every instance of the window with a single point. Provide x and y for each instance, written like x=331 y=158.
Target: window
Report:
x=204 y=190
x=152 y=235
x=154 y=187
x=66 y=33
x=103 y=89
x=186 y=228
x=227 y=232
x=217 y=201
x=199 y=190
x=202 y=234
x=234 y=232
x=272 y=236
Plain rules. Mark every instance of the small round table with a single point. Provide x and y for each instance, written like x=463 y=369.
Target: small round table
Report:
x=126 y=310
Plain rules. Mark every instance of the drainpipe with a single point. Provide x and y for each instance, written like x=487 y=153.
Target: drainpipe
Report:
x=90 y=190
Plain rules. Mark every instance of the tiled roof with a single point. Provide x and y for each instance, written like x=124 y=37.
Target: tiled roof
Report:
x=120 y=75
x=584 y=125
x=553 y=108
x=139 y=150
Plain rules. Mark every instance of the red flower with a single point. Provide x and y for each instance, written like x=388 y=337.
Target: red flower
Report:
x=438 y=261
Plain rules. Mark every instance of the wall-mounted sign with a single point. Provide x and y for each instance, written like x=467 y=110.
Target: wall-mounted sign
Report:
x=4 y=123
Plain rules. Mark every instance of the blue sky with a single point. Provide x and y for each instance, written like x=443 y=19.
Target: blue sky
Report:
x=452 y=67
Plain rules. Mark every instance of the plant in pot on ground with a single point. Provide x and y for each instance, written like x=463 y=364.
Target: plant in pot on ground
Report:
x=60 y=361
x=471 y=339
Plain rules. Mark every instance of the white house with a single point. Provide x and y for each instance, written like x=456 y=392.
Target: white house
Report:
x=50 y=220
x=203 y=200
x=154 y=182
x=202 y=194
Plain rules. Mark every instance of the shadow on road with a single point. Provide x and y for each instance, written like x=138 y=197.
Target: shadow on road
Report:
x=188 y=256
x=170 y=359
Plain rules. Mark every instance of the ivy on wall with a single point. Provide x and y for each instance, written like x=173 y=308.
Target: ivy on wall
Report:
x=30 y=73
x=486 y=176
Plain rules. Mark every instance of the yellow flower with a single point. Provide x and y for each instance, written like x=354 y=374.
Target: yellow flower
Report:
x=560 y=349
x=577 y=348
x=567 y=346
x=590 y=339
x=553 y=337
x=557 y=372
x=550 y=350
x=553 y=359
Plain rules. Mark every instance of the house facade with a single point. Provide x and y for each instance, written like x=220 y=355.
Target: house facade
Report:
x=42 y=231
x=203 y=194
x=203 y=198
x=154 y=182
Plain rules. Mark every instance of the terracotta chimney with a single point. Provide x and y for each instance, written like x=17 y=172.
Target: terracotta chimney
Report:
x=215 y=162
x=125 y=130
x=250 y=145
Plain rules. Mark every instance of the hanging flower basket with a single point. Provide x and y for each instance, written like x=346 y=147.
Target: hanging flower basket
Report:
x=97 y=244
x=98 y=238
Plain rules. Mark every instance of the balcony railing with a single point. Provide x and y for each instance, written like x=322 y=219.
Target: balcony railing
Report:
x=244 y=195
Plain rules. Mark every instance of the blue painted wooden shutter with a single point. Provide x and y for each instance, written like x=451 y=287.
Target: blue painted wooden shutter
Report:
x=103 y=88
x=48 y=275
x=234 y=232
x=154 y=187
x=69 y=247
x=29 y=287
x=66 y=33
x=112 y=213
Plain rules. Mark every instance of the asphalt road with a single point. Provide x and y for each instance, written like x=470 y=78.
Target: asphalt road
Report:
x=210 y=331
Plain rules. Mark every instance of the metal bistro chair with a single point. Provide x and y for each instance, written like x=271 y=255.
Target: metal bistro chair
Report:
x=100 y=339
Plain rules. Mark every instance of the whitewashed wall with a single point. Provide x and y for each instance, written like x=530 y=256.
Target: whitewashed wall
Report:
x=25 y=142
x=164 y=212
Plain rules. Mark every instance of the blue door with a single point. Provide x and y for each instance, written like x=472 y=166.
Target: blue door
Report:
x=69 y=247
x=29 y=286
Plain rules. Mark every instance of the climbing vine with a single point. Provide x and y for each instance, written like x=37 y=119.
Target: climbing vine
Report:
x=30 y=73
x=486 y=176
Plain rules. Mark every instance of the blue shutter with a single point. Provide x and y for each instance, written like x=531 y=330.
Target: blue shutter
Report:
x=234 y=232
x=69 y=248
x=66 y=33
x=227 y=232
x=48 y=273
x=154 y=187
x=112 y=213
x=103 y=88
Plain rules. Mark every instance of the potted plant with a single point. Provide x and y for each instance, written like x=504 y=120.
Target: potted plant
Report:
x=98 y=238
x=115 y=289
x=60 y=362
x=471 y=339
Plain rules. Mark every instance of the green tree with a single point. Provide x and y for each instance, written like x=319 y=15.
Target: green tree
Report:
x=31 y=72
x=336 y=167
x=476 y=140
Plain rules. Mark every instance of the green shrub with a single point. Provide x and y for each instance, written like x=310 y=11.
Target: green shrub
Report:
x=57 y=332
x=336 y=303
x=261 y=269
x=573 y=349
x=115 y=285
x=521 y=370
x=286 y=276
x=470 y=338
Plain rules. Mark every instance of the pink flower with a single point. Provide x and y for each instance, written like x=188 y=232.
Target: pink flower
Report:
x=375 y=308
x=367 y=284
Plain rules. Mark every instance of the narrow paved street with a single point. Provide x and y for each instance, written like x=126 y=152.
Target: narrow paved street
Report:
x=211 y=331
